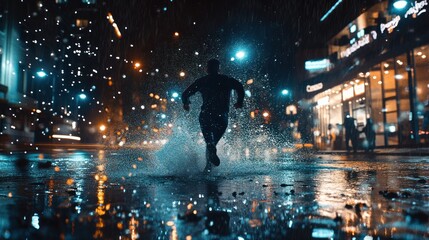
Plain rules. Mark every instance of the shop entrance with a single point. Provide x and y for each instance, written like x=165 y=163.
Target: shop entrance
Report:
x=391 y=122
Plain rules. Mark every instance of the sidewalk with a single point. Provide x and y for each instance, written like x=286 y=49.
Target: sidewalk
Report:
x=383 y=151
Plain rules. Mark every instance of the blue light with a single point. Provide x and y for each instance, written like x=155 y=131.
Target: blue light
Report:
x=317 y=64
x=175 y=95
x=330 y=10
x=353 y=28
x=41 y=74
x=82 y=96
x=240 y=54
x=285 y=92
x=400 y=4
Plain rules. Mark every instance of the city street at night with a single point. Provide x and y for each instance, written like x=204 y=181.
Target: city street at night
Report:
x=214 y=119
x=130 y=194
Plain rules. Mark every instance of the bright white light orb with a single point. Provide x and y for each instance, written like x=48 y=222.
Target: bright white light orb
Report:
x=285 y=92
x=400 y=4
x=240 y=54
x=41 y=74
x=82 y=96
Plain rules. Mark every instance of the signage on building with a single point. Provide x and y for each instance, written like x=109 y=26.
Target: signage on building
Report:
x=417 y=9
x=317 y=65
x=360 y=43
x=315 y=87
x=392 y=24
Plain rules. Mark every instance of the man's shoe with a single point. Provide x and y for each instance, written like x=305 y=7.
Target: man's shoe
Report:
x=211 y=154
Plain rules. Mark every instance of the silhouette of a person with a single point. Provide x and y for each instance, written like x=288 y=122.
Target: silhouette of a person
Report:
x=369 y=134
x=216 y=93
x=351 y=132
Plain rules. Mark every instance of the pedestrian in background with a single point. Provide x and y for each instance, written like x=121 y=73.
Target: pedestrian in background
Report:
x=369 y=131
x=351 y=132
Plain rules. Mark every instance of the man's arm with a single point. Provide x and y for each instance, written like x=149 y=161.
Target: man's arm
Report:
x=238 y=87
x=191 y=90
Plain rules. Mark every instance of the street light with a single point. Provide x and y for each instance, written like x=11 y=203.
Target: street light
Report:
x=285 y=92
x=400 y=4
x=175 y=95
x=240 y=54
x=82 y=96
x=41 y=74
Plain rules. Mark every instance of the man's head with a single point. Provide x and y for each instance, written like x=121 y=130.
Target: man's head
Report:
x=213 y=66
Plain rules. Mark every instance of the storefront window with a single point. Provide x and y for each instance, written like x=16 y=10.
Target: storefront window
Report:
x=390 y=102
x=402 y=82
x=421 y=67
x=375 y=103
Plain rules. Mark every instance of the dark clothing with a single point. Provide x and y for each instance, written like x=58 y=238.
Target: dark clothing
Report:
x=216 y=92
x=351 y=133
x=369 y=135
x=213 y=126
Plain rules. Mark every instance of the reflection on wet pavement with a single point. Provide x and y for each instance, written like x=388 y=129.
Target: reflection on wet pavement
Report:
x=125 y=195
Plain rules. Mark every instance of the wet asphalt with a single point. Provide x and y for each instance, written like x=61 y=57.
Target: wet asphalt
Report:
x=138 y=194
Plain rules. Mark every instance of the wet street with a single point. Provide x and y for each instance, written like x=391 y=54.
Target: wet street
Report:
x=139 y=194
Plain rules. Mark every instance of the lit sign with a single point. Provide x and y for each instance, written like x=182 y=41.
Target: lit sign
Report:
x=348 y=93
x=323 y=101
x=360 y=43
x=315 y=87
x=359 y=89
x=417 y=9
x=317 y=64
x=390 y=25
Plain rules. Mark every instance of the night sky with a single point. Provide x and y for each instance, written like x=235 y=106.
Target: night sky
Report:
x=272 y=31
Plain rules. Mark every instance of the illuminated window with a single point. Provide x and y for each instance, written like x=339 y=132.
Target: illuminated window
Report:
x=82 y=23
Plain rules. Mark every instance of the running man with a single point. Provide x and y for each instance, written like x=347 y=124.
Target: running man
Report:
x=216 y=93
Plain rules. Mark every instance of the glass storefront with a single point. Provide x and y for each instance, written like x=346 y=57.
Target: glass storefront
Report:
x=393 y=93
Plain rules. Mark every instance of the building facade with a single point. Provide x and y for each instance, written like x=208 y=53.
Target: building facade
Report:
x=377 y=68
x=17 y=109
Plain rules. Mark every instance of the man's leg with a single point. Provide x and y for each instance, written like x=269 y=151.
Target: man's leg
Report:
x=220 y=128
x=208 y=128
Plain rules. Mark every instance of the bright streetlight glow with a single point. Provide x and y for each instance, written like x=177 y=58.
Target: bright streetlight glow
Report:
x=182 y=74
x=41 y=74
x=137 y=65
x=400 y=4
x=175 y=95
x=102 y=128
x=285 y=92
x=82 y=96
x=240 y=54
x=265 y=114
